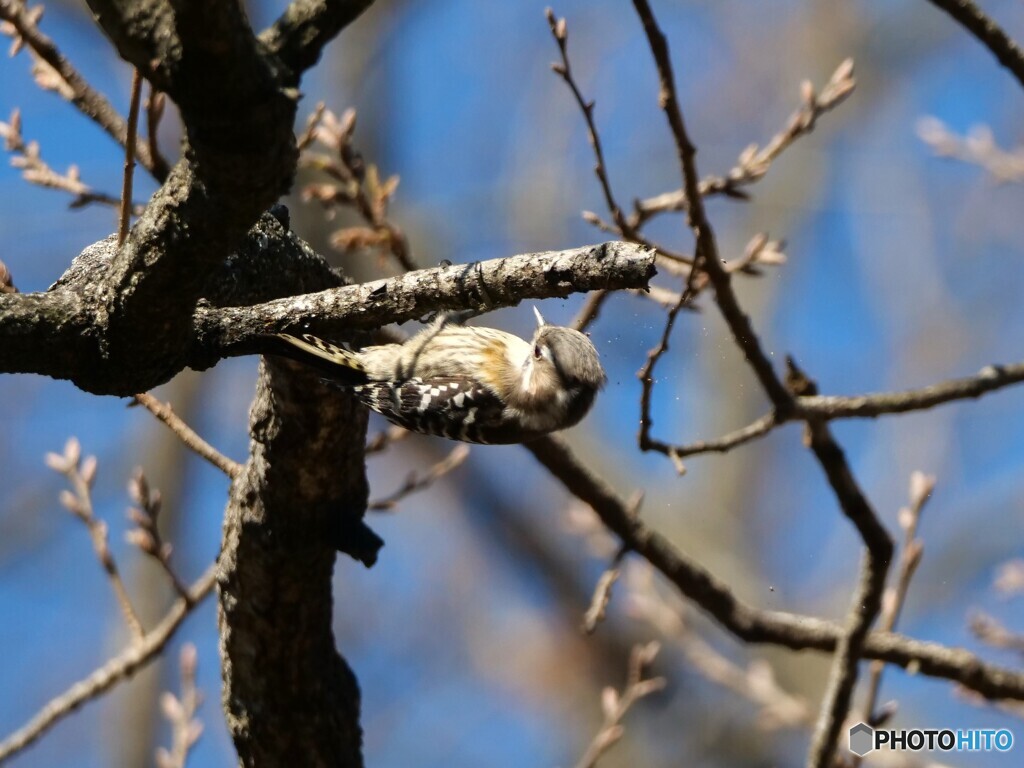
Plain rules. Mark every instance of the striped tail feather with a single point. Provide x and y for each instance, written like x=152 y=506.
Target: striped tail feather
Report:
x=337 y=363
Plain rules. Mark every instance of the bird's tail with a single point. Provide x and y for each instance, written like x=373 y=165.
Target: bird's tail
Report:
x=338 y=364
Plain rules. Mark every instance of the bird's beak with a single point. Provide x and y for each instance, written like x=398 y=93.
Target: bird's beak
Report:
x=540 y=317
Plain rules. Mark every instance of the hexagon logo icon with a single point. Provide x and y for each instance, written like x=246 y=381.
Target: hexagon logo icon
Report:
x=862 y=739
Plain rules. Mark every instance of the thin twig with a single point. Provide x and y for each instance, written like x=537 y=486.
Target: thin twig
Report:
x=180 y=712
x=603 y=590
x=622 y=227
x=35 y=170
x=756 y=682
x=72 y=86
x=119 y=668
x=146 y=535
x=977 y=147
x=921 y=487
x=129 y=159
x=646 y=376
x=385 y=439
x=869 y=406
x=754 y=162
x=155 y=104
x=727 y=442
x=81 y=474
x=421 y=481
x=988 y=379
x=988 y=629
x=560 y=31
x=188 y=436
x=615 y=705
x=590 y=310
x=358 y=186
x=706 y=249
x=990 y=34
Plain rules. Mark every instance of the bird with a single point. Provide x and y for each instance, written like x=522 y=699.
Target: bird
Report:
x=468 y=383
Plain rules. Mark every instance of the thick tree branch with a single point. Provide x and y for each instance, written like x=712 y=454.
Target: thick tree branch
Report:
x=306 y=26
x=480 y=286
x=62 y=333
x=239 y=158
x=289 y=697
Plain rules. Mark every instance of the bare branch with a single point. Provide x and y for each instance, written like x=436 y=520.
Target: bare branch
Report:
x=116 y=670
x=777 y=708
x=706 y=250
x=385 y=439
x=921 y=487
x=646 y=376
x=81 y=475
x=74 y=87
x=358 y=187
x=603 y=590
x=867 y=599
x=990 y=34
x=754 y=161
x=187 y=435
x=978 y=147
x=615 y=705
x=185 y=728
x=752 y=625
x=622 y=226
x=35 y=170
x=146 y=536
x=988 y=379
x=833 y=407
x=483 y=285
x=419 y=481
x=560 y=31
x=306 y=26
x=988 y=629
x=129 y=158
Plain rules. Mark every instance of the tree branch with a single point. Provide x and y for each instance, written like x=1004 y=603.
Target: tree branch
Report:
x=187 y=435
x=480 y=286
x=118 y=669
x=990 y=34
x=62 y=333
x=870 y=406
x=752 y=625
x=289 y=697
x=754 y=162
x=89 y=101
x=306 y=26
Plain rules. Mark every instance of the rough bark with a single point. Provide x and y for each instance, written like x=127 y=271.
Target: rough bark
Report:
x=289 y=697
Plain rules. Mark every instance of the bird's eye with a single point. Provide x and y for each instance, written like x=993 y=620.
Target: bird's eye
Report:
x=536 y=351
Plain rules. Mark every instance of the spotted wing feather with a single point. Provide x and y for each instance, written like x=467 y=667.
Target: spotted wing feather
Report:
x=456 y=408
